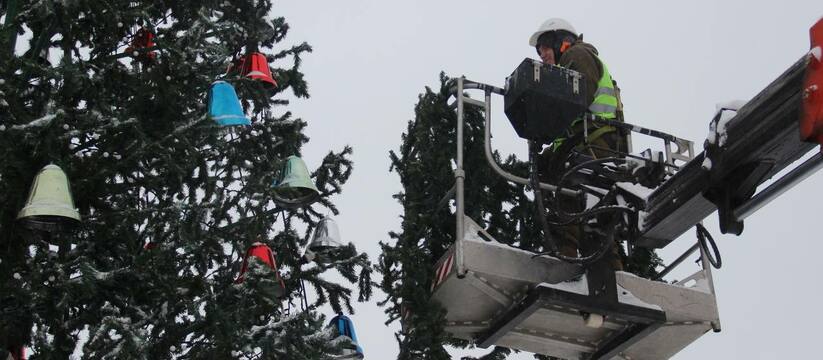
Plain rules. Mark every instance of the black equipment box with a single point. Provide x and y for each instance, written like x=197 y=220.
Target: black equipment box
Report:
x=542 y=100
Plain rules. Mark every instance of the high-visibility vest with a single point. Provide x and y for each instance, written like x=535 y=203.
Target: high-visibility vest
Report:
x=605 y=98
x=604 y=105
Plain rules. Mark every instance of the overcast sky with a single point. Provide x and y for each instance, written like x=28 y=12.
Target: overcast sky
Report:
x=673 y=60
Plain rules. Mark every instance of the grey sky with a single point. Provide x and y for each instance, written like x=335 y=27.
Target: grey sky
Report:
x=673 y=60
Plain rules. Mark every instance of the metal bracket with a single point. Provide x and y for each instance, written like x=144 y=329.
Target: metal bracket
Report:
x=683 y=151
x=576 y=83
x=732 y=190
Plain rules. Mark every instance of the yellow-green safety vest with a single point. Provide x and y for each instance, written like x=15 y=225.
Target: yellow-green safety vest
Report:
x=605 y=98
x=604 y=105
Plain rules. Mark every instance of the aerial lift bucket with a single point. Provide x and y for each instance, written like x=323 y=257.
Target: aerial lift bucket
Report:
x=496 y=294
x=507 y=297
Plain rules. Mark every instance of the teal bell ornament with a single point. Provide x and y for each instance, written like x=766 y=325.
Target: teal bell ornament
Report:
x=325 y=244
x=294 y=187
x=224 y=106
x=50 y=205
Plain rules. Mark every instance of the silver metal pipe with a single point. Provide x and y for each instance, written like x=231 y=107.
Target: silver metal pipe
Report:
x=780 y=186
x=476 y=85
x=459 y=176
x=473 y=101
x=677 y=261
x=511 y=177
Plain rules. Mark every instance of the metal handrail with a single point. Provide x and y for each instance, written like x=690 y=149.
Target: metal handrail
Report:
x=464 y=84
x=503 y=173
x=460 y=174
x=459 y=177
x=679 y=260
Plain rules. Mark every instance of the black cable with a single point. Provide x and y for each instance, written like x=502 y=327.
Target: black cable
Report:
x=597 y=208
x=540 y=211
x=583 y=165
x=702 y=235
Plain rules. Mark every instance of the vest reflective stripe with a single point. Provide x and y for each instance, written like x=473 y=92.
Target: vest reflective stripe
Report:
x=605 y=91
x=605 y=99
x=599 y=109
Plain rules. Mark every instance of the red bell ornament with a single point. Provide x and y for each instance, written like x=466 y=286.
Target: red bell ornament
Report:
x=142 y=39
x=256 y=67
x=261 y=252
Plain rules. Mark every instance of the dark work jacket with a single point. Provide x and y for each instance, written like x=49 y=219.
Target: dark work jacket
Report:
x=582 y=57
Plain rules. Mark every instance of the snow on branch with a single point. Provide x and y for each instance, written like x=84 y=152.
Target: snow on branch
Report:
x=37 y=123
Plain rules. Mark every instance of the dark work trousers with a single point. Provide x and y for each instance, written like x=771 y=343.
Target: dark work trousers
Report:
x=572 y=238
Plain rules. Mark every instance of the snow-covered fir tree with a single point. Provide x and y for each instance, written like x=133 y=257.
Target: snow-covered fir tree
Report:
x=170 y=201
x=424 y=164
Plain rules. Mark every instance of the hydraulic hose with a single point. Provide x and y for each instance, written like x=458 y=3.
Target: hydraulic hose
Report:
x=540 y=212
x=702 y=236
x=598 y=208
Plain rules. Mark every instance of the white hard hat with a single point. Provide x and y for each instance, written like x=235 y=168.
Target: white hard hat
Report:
x=552 y=24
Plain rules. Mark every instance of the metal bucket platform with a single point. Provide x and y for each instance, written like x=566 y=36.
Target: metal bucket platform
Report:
x=508 y=297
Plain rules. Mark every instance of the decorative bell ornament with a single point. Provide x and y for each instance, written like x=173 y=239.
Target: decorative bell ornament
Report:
x=294 y=187
x=50 y=205
x=256 y=67
x=261 y=252
x=343 y=326
x=224 y=106
x=325 y=243
x=142 y=39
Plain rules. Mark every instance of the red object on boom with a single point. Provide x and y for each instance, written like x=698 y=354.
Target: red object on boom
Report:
x=811 y=122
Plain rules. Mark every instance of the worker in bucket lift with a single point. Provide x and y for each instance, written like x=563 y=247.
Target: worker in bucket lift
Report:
x=558 y=43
